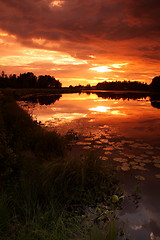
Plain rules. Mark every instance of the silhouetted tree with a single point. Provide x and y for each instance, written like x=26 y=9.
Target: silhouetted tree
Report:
x=57 y=84
x=13 y=80
x=45 y=81
x=4 y=81
x=155 y=84
x=3 y=74
x=27 y=80
x=88 y=86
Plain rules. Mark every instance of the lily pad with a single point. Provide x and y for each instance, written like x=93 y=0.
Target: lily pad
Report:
x=107 y=153
x=111 y=143
x=137 y=167
x=86 y=147
x=104 y=140
x=141 y=178
x=125 y=168
x=130 y=155
x=144 y=155
x=142 y=164
x=157 y=175
x=150 y=152
x=108 y=148
x=157 y=165
x=97 y=146
x=133 y=163
x=88 y=139
x=104 y=158
x=146 y=161
x=83 y=143
x=98 y=142
x=120 y=159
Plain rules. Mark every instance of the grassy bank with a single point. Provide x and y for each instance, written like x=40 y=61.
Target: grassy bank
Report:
x=17 y=93
x=44 y=193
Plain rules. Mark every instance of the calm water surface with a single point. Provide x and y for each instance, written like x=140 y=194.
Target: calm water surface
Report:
x=122 y=128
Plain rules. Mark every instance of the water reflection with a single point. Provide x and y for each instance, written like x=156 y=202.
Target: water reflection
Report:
x=142 y=219
x=122 y=95
x=130 y=113
x=100 y=109
x=124 y=129
x=42 y=99
x=155 y=101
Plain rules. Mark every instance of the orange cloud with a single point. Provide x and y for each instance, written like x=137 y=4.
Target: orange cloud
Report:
x=67 y=38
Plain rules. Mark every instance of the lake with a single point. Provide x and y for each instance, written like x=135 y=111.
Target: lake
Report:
x=123 y=128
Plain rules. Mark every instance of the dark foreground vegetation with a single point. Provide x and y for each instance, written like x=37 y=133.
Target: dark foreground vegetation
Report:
x=44 y=193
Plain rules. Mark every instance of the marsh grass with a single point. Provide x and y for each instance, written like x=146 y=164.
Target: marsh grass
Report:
x=26 y=134
x=108 y=231
x=44 y=193
x=82 y=181
x=19 y=92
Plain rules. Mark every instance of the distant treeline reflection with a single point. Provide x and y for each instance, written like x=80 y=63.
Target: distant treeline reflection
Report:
x=154 y=99
x=43 y=99
x=51 y=99
x=122 y=95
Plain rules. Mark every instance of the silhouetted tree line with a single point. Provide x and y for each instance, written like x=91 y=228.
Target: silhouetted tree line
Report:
x=155 y=84
x=81 y=87
x=131 y=85
x=28 y=80
x=125 y=85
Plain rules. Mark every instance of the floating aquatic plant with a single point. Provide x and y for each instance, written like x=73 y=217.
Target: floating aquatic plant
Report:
x=139 y=177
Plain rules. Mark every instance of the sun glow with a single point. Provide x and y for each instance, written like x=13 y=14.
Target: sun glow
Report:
x=101 y=69
x=119 y=65
x=57 y=3
x=3 y=34
x=117 y=112
x=100 y=109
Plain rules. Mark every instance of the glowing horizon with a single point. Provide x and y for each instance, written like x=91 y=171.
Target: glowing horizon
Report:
x=101 y=109
x=102 y=69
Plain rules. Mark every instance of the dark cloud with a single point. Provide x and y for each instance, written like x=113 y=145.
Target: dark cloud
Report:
x=81 y=20
x=152 y=56
x=114 y=30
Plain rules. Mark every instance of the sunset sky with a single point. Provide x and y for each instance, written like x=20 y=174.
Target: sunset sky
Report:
x=81 y=41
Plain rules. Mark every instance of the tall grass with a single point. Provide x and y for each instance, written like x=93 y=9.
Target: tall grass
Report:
x=86 y=180
x=25 y=134
x=44 y=194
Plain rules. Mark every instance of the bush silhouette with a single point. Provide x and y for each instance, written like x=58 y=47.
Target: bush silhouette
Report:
x=155 y=84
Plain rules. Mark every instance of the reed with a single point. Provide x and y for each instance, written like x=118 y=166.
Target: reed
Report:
x=44 y=193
